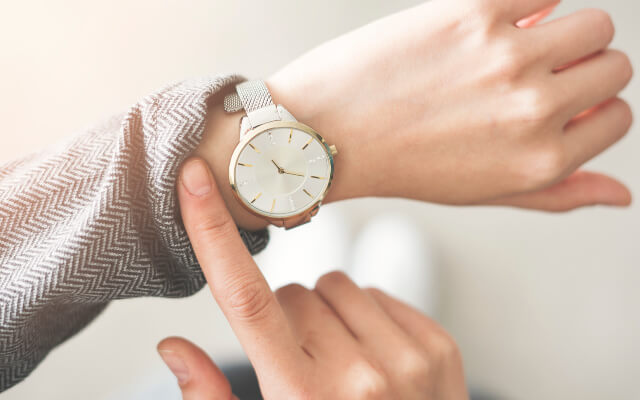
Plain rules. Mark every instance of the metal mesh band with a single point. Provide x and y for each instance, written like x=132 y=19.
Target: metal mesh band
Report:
x=254 y=95
x=232 y=103
x=255 y=99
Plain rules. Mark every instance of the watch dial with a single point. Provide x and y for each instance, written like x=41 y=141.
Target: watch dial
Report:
x=282 y=171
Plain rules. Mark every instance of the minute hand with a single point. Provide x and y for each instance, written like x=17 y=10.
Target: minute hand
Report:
x=291 y=173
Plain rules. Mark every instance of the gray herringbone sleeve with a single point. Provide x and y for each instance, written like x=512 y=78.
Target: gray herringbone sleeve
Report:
x=95 y=219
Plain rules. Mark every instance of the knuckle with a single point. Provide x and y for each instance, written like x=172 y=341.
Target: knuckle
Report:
x=545 y=166
x=414 y=365
x=536 y=104
x=369 y=382
x=247 y=300
x=332 y=279
x=509 y=63
x=375 y=292
x=446 y=347
x=486 y=17
x=290 y=291
x=511 y=57
x=486 y=9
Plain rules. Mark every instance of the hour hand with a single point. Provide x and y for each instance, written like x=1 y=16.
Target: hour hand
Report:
x=280 y=170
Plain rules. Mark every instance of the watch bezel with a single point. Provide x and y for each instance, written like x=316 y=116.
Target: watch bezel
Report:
x=252 y=133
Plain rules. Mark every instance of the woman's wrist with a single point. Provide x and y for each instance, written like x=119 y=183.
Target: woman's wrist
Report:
x=220 y=139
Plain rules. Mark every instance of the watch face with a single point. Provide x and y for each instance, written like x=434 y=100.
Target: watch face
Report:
x=281 y=172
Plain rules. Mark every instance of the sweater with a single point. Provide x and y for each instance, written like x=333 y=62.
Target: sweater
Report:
x=95 y=219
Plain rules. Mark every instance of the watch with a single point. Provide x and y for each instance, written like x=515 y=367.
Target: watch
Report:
x=281 y=169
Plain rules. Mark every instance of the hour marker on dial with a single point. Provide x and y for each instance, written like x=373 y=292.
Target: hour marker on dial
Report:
x=317 y=177
x=307 y=193
x=256 y=198
x=254 y=148
x=307 y=144
x=245 y=165
x=290 y=135
x=273 y=205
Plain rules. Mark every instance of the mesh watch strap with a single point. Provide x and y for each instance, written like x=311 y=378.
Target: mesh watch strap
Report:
x=255 y=99
x=254 y=95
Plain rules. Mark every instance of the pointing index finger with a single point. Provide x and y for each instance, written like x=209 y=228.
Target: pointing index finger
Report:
x=234 y=279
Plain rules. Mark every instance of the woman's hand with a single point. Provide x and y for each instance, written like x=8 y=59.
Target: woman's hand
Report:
x=468 y=102
x=334 y=342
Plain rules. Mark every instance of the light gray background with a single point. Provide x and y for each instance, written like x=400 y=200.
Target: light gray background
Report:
x=543 y=306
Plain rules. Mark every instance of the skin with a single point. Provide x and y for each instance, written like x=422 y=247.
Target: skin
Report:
x=455 y=102
x=458 y=102
x=335 y=342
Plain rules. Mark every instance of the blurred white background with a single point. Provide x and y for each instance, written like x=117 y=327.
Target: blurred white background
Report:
x=542 y=306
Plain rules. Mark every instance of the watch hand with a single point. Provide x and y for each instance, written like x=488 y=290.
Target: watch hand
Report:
x=280 y=170
x=284 y=171
x=291 y=173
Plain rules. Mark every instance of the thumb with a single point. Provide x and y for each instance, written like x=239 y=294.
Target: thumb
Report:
x=581 y=189
x=198 y=377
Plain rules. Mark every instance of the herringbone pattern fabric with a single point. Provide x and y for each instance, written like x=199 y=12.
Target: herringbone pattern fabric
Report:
x=96 y=219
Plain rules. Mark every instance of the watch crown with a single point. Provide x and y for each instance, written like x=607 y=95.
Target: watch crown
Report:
x=333 y=150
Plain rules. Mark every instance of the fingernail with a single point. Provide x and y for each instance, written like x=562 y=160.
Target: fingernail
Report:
x=196 y=177
x=176 y=364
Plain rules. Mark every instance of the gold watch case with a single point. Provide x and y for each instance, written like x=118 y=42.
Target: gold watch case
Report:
x=304 y=215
